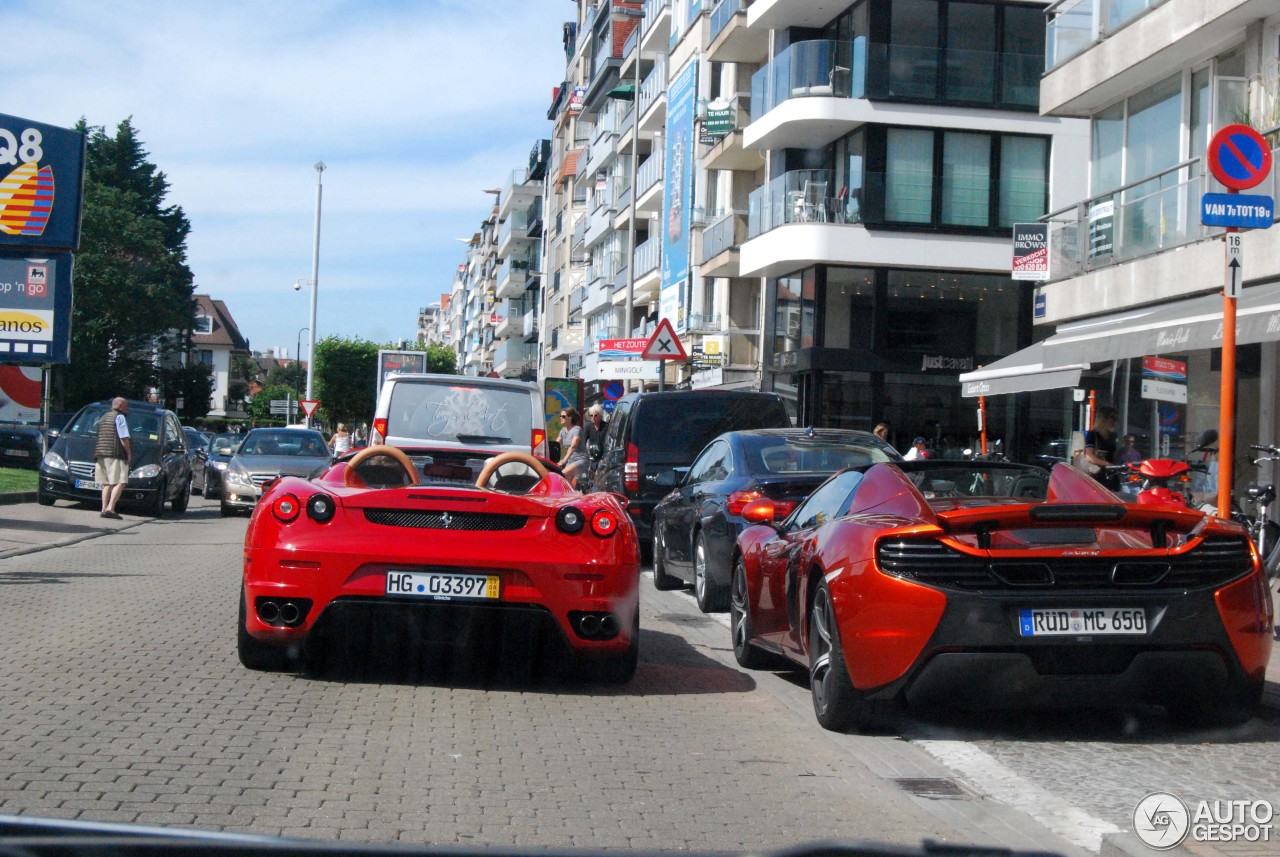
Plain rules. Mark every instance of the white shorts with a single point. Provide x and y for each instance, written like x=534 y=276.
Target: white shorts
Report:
x=111 y=471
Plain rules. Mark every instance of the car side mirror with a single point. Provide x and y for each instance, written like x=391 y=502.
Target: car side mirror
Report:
x=667 y=479
x=53 y=433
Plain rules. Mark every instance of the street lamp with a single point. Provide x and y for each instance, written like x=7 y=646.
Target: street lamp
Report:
x=297 y=356
x=314 y=281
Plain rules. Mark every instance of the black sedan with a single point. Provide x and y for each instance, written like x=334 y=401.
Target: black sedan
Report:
x=697 y=524
x=21 y=445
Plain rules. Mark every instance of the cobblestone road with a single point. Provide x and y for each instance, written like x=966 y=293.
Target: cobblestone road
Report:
x=124 y=701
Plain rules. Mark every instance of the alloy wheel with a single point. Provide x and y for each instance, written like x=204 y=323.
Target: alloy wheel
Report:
x=820 y=650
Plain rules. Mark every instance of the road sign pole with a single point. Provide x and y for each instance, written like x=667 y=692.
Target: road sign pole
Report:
x=1227 y=413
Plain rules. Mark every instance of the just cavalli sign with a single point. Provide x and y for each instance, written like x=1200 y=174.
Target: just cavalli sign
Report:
x=943 y=363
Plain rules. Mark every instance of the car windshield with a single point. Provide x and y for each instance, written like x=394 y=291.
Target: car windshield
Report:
x=143 y=425
x=770 y=455
x=977 y=479
x=301 y=444
x=459 y=413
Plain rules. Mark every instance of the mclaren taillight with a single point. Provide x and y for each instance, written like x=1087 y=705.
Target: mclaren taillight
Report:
x=538 y=443
x=604 y=523
x=631 y=469
x=286 y=508
x=379 y=434
x=738 y=501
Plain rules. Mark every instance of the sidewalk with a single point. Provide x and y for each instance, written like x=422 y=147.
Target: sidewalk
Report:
x=26 y=527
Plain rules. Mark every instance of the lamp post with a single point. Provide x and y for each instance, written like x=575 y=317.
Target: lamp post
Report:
x=315 y=280
x=297 y=356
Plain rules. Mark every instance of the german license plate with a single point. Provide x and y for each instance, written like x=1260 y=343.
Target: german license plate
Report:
x=88 y=485
x=442 y=585
x=18 y=453
x=1082 y=622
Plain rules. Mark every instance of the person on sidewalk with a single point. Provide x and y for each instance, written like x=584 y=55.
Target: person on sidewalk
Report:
x=113 y=454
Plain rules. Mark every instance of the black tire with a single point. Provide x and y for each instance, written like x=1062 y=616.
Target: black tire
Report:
x=183 y=499
x=661 y=579
x=156 y=507
x=226 y=510
x=837 y=704
x=711 y=596
x=742 y=631
x=1232 y=707
x=256 y=655
x=42 y=498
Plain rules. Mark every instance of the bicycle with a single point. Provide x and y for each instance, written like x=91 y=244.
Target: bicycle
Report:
x=1264 y=532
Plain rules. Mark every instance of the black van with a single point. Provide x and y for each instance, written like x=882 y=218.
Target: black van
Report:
x=652 y=433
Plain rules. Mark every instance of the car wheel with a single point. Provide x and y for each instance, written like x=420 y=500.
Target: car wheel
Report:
x=157 y=505
x=183 y=499
x=226 y=510
x=1233 y=707
x=257 y=655
x=661 y=580
x=711 y=596
x=740 y=628
x=42 y=498
x=838 y=705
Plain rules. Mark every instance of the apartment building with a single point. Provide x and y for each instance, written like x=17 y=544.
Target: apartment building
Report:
x=1134 y=273
x=518 y=278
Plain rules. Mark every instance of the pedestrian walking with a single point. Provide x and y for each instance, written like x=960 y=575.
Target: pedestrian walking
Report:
x=340 y=442
x=595 y=429
x=882 y=431
x=573 y=453
x=113 y=453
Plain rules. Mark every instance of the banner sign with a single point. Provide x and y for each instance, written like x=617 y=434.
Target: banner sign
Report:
x=41 y=185
x=1101 y=228
x=718 y=125
x=1031 y=251
x=35 y=309
x=613 y=348
x=1164 y=369
x=677 y=195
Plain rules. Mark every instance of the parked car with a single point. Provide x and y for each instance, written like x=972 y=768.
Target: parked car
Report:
x=264 y=455
x=160 y=471
x=388 y=552
x=990 y=584
x=653 y=433
x=21 y=445
x=454 y=412
x=221 y=448
x=198 y=449
x=696 y=526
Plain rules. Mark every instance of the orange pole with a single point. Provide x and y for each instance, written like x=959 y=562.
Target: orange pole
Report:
x=1227 y=416
x=982 y=420
x=1091 y=417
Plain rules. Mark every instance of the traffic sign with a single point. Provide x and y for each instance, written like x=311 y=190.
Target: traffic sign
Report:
x=1235 y=265
x=1239 y=157
x=613 y=390
x=309 y=406
x=1238 y=210
x=664 y=344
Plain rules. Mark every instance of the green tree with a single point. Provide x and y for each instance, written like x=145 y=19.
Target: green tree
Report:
x=441 y=359
x=259 y=409
x=133 y=308
x=292 y=375
x=190 y=383
x=346 y=379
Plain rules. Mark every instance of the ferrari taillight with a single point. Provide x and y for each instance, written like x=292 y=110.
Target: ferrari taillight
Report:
x=320 y=508
x=738 y=500
x=631 y=469
x=604 y=523
x=379 y=434
x=286 y=508
x=538 y=443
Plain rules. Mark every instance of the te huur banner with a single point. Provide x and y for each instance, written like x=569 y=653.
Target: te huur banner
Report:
x=41 y=185
x=35 y=309
x=1031 y=251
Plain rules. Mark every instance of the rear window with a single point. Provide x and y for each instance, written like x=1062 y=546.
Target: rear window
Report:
x=768 y=455
x=675 y=429
x=446 y=413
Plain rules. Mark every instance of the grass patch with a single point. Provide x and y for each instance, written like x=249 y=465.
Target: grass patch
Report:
x=13 y=479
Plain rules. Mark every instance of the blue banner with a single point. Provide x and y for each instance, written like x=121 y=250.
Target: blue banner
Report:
x=35 y=308
x=41 y=185
x=677 y=201
x=1241 y=210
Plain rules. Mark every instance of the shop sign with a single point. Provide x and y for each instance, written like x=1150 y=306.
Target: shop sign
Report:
x=577 y=98
x=943 y=363
x=35 y=309
x=41 y=184
x=1030 y=251
x=1101 y=228
x=1163 y=369
x=1042 y=306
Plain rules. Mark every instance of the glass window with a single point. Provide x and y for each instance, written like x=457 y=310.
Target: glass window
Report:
x=826 y=502
x=966 y=179
x=710 y=465
x=204 y=324
x=1200 y=118
x=1154 y=129
x=909 y=176
x=793 y=323
x=971 y=33
x=1022 y=58
x=913 y=40
x=1108 y=149
x=1023 y=181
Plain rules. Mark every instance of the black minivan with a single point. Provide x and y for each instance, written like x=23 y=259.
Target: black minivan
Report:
x=161 y=470
x=653 y=433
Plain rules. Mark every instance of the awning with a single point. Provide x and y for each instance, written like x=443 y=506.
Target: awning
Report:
x=1193 y=324
x=1021 y=372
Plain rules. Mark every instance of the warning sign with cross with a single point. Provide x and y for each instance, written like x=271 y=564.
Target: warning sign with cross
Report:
x=664 y=344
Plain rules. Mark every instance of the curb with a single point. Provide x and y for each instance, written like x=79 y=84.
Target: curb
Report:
x=14 y=497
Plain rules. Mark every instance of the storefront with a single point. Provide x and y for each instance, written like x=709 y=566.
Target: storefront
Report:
x=857 y=346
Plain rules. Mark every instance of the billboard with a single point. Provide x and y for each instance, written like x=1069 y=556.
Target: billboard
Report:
x=21 y=391
x=35 y=309
x=41 y=185
x=398 y=361
x=677 y=195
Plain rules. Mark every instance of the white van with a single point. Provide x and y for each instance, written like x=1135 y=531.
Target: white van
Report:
x=493 y=415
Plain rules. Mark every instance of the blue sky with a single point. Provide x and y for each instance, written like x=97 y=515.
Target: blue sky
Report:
x=414 y=107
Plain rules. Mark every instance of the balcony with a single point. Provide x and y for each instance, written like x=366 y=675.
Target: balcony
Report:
x=511 y=278
x=703 y=323
x=510 y=356
x=648 y=255
x=731 y=39
x=800 y=196
x=649 y=184
x=530 y=329
x=533 y=219
x=513 y=229
x=651 y=103
x=728 y=153
x=600 y=223
x=507 y=318
x=1074 y=25
x=597 y=297
x=576 y=297
x=566 y=341
x=720 y=243
x=656 y=25
x=516 y=193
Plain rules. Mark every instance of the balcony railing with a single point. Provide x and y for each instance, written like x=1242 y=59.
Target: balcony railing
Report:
x=723 y=13
x=860 y=69
x=724 y=234
x=800 y=196
x=1074 y=25
x=531 y=325
x=704 y=323
x=652 y=86
x=649 y=173
x=652 y=9
x=575 y=298
x=648 y=256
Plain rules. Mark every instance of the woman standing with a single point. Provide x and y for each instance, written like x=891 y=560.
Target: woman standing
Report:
x=573 y=451
x=340 y=443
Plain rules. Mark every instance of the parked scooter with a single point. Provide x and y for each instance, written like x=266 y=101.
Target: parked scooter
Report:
x=1165 y=481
